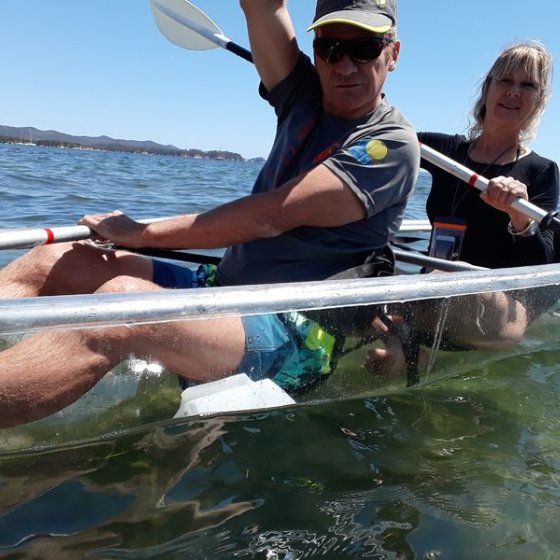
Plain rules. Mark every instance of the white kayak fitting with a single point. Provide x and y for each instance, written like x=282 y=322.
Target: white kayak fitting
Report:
x=231 y=394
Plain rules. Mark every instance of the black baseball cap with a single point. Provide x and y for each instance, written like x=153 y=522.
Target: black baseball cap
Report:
x=377 y=16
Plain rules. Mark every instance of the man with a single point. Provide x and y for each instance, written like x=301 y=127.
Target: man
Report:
x=332 y=191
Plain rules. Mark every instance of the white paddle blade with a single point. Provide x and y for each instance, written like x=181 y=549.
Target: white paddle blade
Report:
x=185 y=25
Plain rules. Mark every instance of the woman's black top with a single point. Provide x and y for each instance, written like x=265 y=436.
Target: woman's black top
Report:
x=487 y=241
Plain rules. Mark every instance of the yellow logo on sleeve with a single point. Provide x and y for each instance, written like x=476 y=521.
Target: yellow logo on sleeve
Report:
x=377 y=150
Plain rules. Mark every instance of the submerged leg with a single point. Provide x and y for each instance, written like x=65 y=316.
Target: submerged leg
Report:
x=491 y=321
x=46 y=372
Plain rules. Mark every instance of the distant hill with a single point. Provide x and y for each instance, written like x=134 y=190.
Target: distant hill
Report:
x=31 y=135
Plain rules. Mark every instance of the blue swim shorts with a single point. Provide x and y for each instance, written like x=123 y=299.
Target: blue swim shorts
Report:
x=169 y=274
x=268 y=342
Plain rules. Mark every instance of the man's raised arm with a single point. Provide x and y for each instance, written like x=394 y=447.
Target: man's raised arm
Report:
x=272 y=37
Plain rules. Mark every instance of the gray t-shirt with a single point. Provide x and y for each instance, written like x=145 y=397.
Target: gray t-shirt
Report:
x=377 y=156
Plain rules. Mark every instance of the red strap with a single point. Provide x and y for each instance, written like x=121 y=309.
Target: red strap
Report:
x=473 y=179
x=50 y=236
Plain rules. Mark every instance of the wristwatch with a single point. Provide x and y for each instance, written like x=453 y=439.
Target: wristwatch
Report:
x=531 y=229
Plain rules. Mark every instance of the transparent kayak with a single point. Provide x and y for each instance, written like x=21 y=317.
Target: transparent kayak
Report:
x=137 y=392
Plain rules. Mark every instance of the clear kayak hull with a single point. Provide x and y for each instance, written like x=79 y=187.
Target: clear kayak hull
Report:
x=136 y=392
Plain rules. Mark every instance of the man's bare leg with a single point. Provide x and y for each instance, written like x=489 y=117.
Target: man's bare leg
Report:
x=46 y=372
x=491 y=321
x=68 y=268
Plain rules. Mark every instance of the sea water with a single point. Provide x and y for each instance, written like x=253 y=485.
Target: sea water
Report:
x=464 y=468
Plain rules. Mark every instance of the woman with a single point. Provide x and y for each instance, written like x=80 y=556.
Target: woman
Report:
x=512 y=98
x=486 y=230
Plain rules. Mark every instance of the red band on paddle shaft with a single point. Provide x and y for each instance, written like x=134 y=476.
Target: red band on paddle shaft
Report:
x=50 y=236
x=473 y=179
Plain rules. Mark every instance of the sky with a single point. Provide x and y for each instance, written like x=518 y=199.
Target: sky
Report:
x=94 y=67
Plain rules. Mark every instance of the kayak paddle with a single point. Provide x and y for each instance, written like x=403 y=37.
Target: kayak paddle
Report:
x=189 y=27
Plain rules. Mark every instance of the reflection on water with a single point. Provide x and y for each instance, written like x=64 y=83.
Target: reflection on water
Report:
x=465 y=468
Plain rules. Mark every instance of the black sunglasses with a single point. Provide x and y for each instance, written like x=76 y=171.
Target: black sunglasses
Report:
x=361 y=50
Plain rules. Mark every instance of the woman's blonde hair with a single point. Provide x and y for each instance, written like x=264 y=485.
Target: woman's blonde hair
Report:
x=537 y=61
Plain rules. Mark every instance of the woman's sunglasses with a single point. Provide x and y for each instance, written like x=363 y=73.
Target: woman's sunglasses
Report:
x=361 y=50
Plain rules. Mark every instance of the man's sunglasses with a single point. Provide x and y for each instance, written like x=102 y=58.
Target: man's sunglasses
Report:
x=361 y=50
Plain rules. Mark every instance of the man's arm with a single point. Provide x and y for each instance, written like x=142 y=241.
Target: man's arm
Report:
x=318 y=199
x=272 y=37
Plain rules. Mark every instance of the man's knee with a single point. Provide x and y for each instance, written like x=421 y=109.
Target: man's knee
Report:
x=127 y=284
x=38 y=263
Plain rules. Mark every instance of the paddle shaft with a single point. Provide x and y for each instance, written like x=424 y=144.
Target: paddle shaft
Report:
x=25 y=238
x=22 y=238
x=544 y=218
